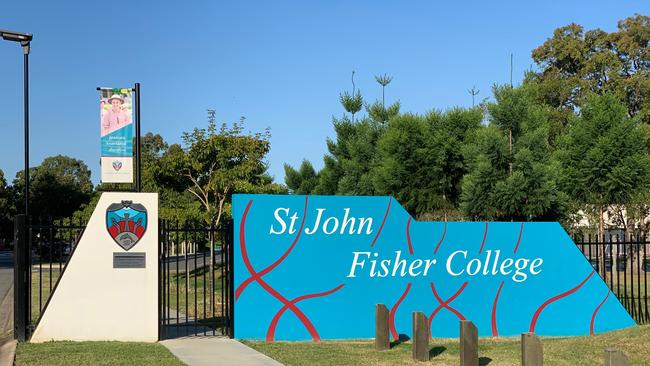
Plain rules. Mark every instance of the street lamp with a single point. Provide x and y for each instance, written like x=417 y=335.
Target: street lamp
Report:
x=24 y=39
x=22 y=253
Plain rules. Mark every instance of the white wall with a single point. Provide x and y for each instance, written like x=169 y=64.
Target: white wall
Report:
x=95 y=301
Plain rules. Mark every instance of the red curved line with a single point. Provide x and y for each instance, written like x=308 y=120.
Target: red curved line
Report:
x=242 y=244
x=444 y=232
x=484 y=237
x=495 y=331
x=270 y=335
x=593 y=316
x=432 y=315
x=268 y=269
x=408 y=235
x=382 y=223
x=521 y=230
x=533 y=322
x=393 y=310
x=445 y=304
x=456 y=312
x=452 y=298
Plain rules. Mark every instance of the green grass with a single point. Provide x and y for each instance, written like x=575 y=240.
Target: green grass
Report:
x=94 y=353
x=44 y=287
x=635 y=342
x=179 y=282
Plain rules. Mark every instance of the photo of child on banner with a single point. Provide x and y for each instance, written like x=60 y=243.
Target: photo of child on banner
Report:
x=116 y=131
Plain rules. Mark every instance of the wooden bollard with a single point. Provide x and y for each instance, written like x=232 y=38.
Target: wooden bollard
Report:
x=532 y=352
x=615 y=357
x=420 y=337
x=468 y=343
x=382 y=340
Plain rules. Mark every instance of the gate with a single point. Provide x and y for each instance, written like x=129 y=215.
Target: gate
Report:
x=195 y=289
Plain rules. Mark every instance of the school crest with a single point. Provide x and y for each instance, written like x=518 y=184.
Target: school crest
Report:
x=126 y=222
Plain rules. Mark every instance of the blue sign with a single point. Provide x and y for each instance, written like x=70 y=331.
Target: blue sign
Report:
x=313 y=267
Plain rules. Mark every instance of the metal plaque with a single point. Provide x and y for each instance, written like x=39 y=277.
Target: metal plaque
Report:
x=129 y=260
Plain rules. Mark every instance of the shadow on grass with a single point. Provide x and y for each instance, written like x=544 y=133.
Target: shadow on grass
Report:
x=402 y=338
x=483 y=361
x=188 y=327
x=436 y=351
x=196 y=272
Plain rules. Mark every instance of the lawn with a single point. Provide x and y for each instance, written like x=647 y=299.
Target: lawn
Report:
x=94 y=353
x=186 y=293
x=635 y=342
x=41 y=289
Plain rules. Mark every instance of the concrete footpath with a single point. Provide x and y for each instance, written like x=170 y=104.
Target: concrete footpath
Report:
x=216 y=351
x=7 y=343
x=7 y=351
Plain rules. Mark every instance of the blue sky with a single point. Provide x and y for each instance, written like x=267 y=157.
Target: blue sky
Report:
x=281 y=64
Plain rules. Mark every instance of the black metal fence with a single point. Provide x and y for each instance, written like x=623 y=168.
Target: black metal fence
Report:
x=44 y=247
x=623 y=261
x=195 y=284
x=196 y=291
x=196 y=280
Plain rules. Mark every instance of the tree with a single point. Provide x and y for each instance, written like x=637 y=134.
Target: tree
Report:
x=58 y=187
x=420 y=160
x=508 y=112
x=510 y=175
x=377 y=112
x=158 y=175
x=487 y=161
x=603 y=156
x=351 y=157
x=301 y=181
x=7 y=211
x=218 y=161
x=383 y=80
x=575 y=63
x=351 y=102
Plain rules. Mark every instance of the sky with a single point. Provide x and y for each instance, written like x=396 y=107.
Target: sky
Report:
x=280 y=64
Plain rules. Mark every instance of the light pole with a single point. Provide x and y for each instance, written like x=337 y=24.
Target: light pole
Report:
x=24 y=39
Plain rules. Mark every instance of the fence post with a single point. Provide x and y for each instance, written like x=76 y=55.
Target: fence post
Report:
x=420 y=337
x=382 y=341
x=21 y=279
x=615 y=357
x=231 y=273
x=468 y=343
x=532 y=352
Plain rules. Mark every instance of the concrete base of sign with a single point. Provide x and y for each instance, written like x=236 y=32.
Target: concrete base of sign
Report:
x=93 y=300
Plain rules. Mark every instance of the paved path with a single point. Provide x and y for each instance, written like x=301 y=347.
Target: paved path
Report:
x=7 y=343
x=6 y=272
x=7 y=351
x=6 y=292
x=216 y=351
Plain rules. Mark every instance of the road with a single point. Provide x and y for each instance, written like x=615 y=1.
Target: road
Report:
x=6 y=284
x=201 y=260
x=6 y=272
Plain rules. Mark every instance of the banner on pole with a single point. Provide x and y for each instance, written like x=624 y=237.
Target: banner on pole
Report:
x=116 y=126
